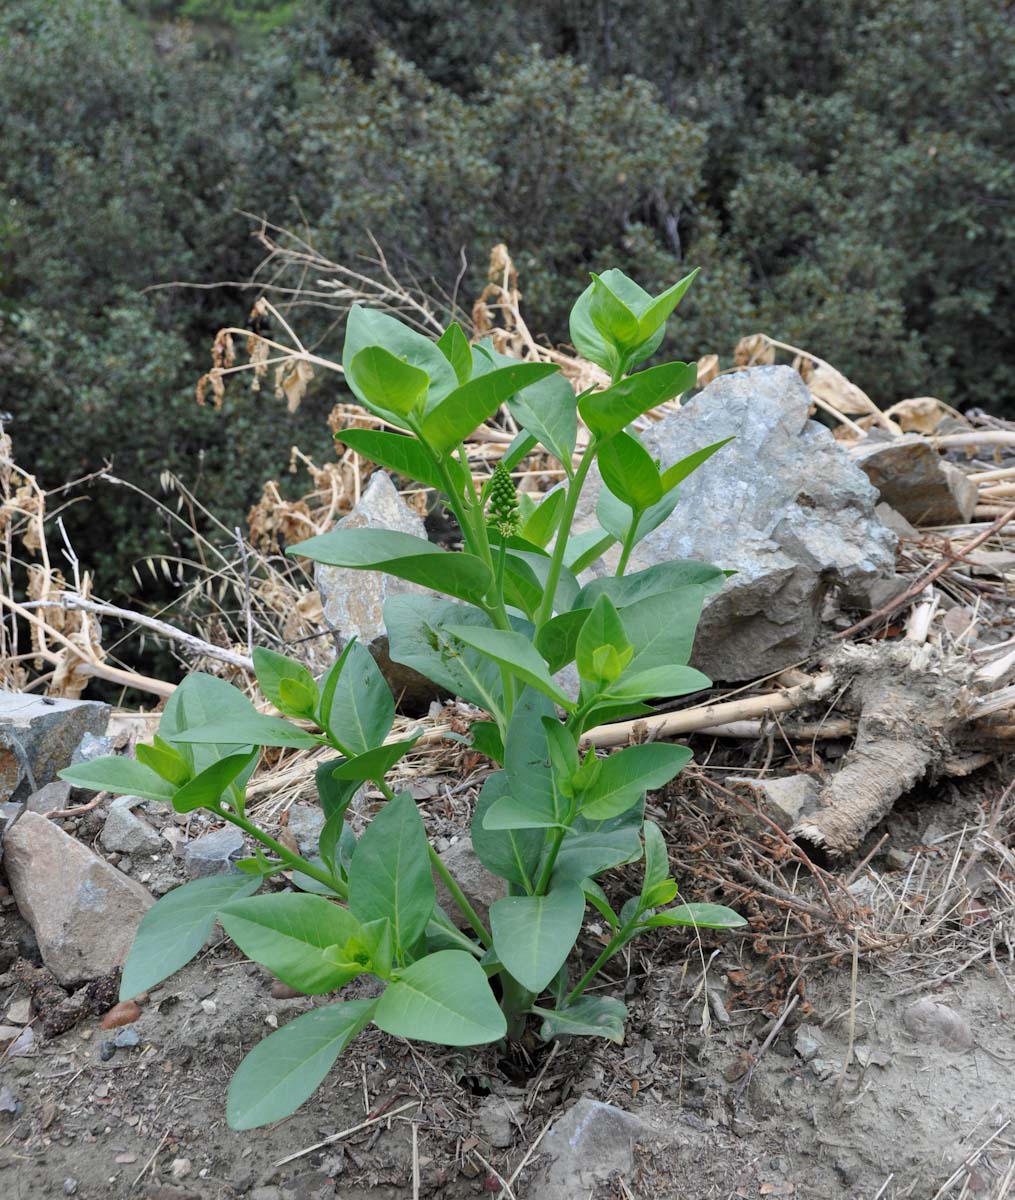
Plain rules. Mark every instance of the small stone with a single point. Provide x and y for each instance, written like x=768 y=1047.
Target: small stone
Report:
x=83 y=912
x=126 y=833
x=8 y=1033
x=38 y=736
x=20 y=1012
x=54 y=796
x=70 y=1186
x=107 y=1051
x=91 y=747
x=931 y=1021
x=825 y=1068
x=916 y=481
x=180 y=1168
x=480 y=885
x=305 y=824
x=210 y=1007
x=213 y=853
x=589 y=1144
x=807 y=1042
x=783 y=800
x=497 y=1121
x=127 y=1038
x=282 y=991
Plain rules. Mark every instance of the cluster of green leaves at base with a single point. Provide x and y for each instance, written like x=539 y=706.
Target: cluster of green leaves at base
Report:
x=551 y=818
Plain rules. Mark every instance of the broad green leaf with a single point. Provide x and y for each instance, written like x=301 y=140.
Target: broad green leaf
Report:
x=255 y=729
x=273 y=671
x=658 y=682
x=487 y=739
x=466 y=408
x=588 y=853
x=616 y=517
x=121 y=776
x=454 y=345
x=388 y=383
x=629 y=471
x=362 y=709
x=607 y=412
x=334 y=794
x=602 y=628
x=418 y=637
x=542 y=524
x=664 y=578
x=399 y=452
x=199 y=700
x=586 y=338
x=290 y=933
x=612 y=317
x=533 y=935
x=659 y=894
x=212 y=784
x=557 y=640
x=704 y=916
x=516 y=653
x=284 y=1069
x=653 y=315
x=444 y=998
x=595 y=895
x=513 y=854
x=589 y=1016
x=390 y=872
x=584 y=548
x=548 y=410
x=531 y=799
x=165 y=760
x=657 y=859
x=661 y=628
x=686 y=466
x=374 y=764
x=628 y=774
x=400 y=554
x=176 y=927
x=369 y=327
x=538 y=567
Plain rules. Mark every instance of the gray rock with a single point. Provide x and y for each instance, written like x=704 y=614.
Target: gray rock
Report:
x=127 y=1038
x=916 y=481
x=497 y=1117
x=784 y=800
x=931 y=1021
x=38 y=736
x=481 y=886
x=125 y=833
x=213 y=853
x=353 y=601
x=588 y=1144
x=83 y=912
x=55 y=795
x=305 y=824
x=91 y=747
x=782 y=505
x=808 y=1042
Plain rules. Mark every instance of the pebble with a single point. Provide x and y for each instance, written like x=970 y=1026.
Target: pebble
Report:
x=127 y=1038
x=70 y=1186
x=180 y=1168
x=20 y=1012
x=106 y=1051
x=210 y=1007
x=213 y=853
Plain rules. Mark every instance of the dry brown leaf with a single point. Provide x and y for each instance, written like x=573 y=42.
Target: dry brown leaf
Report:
x=291 y=379
x=804 y=367
x=830 y=385
x=921 y=414
x=755 y=350
x=708 y=369
x=223 y=352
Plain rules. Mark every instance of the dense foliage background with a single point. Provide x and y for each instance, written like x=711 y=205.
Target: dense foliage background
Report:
x=842 y=172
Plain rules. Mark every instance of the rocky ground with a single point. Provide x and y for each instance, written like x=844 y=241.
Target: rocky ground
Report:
x=744 y=1072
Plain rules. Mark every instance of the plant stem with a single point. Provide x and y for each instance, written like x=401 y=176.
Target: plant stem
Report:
x=515 y=1003
x=574 y=489
x=625 y=553
x=616 y=943
x=460 y=898
x=294 y=861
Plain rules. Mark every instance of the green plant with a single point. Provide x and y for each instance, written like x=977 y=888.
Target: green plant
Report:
x=553 y=817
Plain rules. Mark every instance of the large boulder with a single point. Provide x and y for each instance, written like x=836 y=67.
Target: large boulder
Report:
x=782 y=505
x=38 y=736
x=84 y=912
x=353 y=601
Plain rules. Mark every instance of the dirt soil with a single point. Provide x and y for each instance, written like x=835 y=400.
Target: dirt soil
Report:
x=762 y=1077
